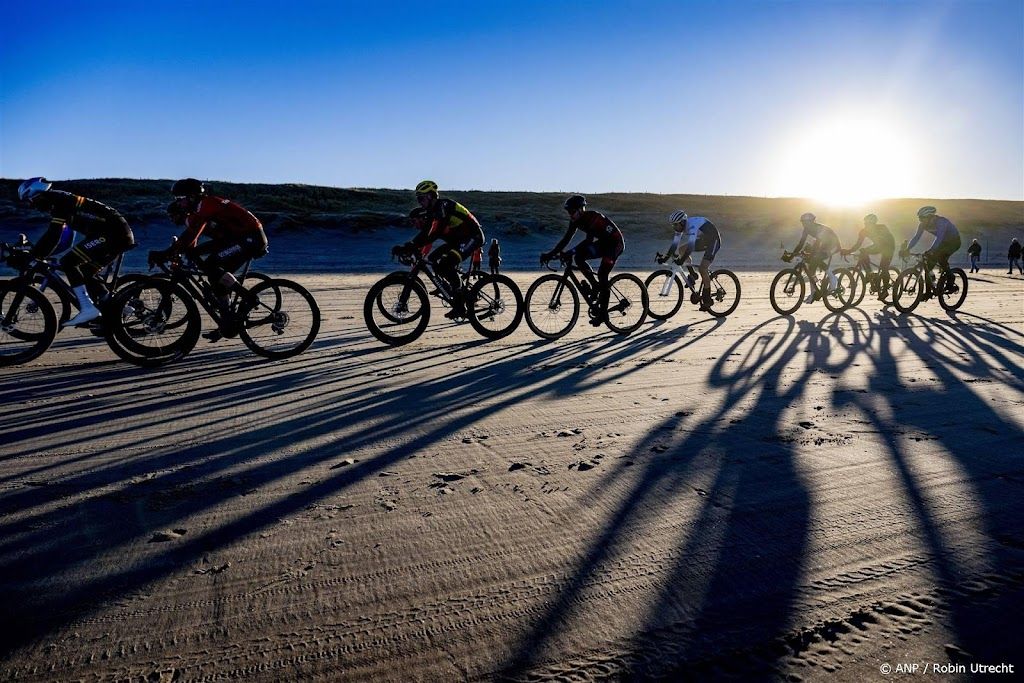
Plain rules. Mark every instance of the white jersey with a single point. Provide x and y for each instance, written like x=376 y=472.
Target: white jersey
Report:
x=691 y=230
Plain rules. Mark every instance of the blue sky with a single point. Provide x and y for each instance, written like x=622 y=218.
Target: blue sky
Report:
x=759 y=98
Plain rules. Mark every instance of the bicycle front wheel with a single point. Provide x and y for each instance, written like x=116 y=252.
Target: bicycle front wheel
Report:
x=839 y=299
x=28 y=323
x=664 y=294
x=725 y=293
x=396 y=309
x=552 y=306
x=282 y=320
x=152 y=321
x=952 y=289
x=787 y=291
x=908 y=290
x=627 y=303
x=495 y=306
x=859 y=284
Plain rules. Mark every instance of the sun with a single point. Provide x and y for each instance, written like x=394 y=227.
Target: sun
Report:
x=847 y=160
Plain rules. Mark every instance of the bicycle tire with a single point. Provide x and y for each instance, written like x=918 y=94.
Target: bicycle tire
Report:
x=24 y=305
x=663 y=307
x=290 y=304
x=951 y=301
x=858 y=287
x=482 y=306
x=626 y=304
x=141 y=313
x=837 y=301
x=398 y=303
x=549 y=302
x=719 y=292
x=792 y=290
x=908 y=290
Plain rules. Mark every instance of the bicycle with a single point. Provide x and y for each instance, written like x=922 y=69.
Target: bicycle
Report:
x=553 y=300
x=31 y=321
x=865 y=276
x=494 y=304
x=275 y=318
x=916 y=284
x=790 y=285
x=665 y=289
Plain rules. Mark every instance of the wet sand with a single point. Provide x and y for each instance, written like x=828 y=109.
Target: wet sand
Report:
x=759 y=497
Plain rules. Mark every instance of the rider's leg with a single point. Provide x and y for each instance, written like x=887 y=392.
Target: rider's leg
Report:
x=81 y=264
x=446 y=262
x=883 y=273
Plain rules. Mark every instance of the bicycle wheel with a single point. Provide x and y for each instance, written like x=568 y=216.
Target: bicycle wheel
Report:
x=62 y=303
x=152 y=321
x=889 y=288
x=552 y=306
x=908 y=290
x=838 y=299
x=495 y=306
x=664 y=294
x=859 y=285
x=787 y=291
x=952 y=289
x=627 y=303
x=405 y=312
x=28 y=323
x=281 y=322
x=725 y=293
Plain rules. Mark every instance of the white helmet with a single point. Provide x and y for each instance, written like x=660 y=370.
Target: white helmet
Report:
x=808 y=218
x=32 y=187
x=677 y=217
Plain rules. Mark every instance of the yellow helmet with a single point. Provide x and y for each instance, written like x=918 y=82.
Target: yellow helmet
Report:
x=426 y=186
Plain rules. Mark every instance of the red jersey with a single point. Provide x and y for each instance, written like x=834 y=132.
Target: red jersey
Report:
x=220 y=219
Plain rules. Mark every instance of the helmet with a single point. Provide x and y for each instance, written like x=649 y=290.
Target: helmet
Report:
x=32 y=187
x=417 y=215
x=426 y=186
x=871 y=218
x=188 y=187
x=575 y=203
x=808 y=218
x=677 y=217
x=926 y=211
x=176 y=212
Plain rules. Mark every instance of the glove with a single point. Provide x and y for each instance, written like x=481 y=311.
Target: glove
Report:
x=545 y=257
x=660 y=259
x=845 y=252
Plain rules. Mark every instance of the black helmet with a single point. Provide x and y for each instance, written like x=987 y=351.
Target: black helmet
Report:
x=176 y=212
x=188 y=187
x=575 y=203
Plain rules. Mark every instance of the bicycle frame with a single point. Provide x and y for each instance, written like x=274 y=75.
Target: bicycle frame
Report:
x=196 y=283
x=50 y=271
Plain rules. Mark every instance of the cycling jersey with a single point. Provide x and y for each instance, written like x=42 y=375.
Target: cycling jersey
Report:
x=827 y=241
x=943 y=229
x=451 y=222
x=94 y=220
x=880 y=237
x=701 y=235
x=219 y=219
x=599 y=229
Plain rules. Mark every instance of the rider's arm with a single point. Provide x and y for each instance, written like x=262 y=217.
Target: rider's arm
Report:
x=565 y=240
x=676 y=239
x=856 y=245
x=800 y=244
x=916 y=237
x=45 y=245
x=941 y=230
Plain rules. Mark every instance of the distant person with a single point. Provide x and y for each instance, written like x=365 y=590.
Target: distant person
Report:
x=945 y=244
x=494 y=256
x=826 y=244
x=460 y=234
x=974 y=251
x=1015 y=256
x=603 y=240
x=882 y=243
x=476 y=260
x=233 y=235
x=107 y=235
x=701 y=235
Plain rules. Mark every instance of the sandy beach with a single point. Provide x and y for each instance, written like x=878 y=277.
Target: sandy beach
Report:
x=805 y=498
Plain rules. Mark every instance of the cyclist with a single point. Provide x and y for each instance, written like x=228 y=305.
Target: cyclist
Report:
x=106 y=235
x=603 y=240
x=701 y=235
x=234 y=236
x=974 y=251
x=826 y=243
x=945 y=244
x=494 y=256
x=882 y=243
x=458 y=230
